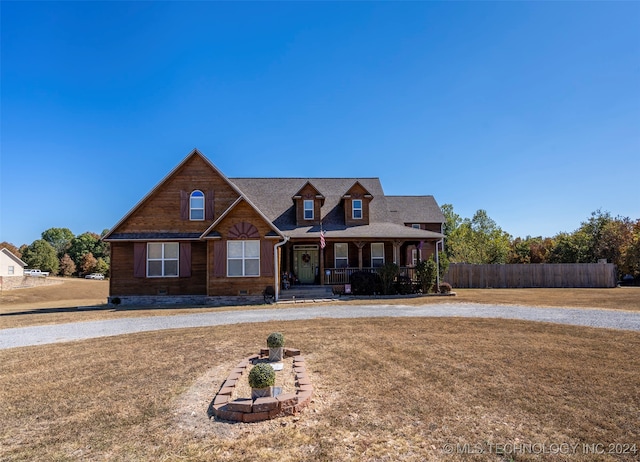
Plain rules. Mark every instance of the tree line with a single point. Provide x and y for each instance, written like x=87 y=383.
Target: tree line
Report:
x=600 y=237
x=62 y=253
x=468 y=240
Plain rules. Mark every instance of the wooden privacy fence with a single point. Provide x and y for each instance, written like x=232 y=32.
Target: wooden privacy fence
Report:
x=467 y=276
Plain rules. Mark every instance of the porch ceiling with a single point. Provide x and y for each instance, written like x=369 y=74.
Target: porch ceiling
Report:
x=384 y=231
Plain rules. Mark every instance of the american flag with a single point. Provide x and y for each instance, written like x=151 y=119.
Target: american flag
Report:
x=323 y=244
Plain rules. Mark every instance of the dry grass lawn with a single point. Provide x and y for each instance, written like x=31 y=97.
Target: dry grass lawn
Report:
x=58 y=303
x=386 y=389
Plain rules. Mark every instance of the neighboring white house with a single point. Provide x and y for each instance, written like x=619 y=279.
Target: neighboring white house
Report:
x=10 y=265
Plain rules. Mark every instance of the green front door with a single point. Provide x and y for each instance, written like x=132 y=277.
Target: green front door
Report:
x=305 y=263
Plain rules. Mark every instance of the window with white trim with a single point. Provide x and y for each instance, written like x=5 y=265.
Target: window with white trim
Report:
x=377 y=254
x=162 y=259
x=341 y=255
x=356 y=208
x=415 y=226
x=415 y=256
x=196 y=206
x=308 y=210
x=243 y=258
x=11 y=270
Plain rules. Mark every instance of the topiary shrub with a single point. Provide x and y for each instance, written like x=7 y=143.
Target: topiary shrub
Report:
x=275 y=340
x=262 y=376
x=365 y=283
x=445 y=288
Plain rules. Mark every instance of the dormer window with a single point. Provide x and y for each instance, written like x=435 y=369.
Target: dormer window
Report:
x=308 y=209
x=356 y=207
x=196 y=206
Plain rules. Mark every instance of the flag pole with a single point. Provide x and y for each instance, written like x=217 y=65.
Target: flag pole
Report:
x=322 y=246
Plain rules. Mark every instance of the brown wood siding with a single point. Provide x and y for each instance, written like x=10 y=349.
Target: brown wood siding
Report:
x=163 y=210
x=435 y=227
x=223 y=285
x=356 y=192
x=308 y=192
x=122 y=281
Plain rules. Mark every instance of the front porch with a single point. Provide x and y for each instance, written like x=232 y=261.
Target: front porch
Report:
x=307 y=263
x=342 y=275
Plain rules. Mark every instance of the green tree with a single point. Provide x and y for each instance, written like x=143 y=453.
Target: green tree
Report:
x=477 y=240
x=615 y=237
x=530 y=250
x=102 y=266
x=40 y=254
x=86 y=243
x=426 y=271
x=631 y=252
x=59 y=238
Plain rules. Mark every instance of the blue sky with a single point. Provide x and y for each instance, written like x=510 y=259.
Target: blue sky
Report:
x=529 y=110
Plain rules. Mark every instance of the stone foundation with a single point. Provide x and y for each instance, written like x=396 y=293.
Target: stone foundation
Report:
x=185 y=300
x=248 y=410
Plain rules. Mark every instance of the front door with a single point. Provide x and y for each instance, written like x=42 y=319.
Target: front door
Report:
x=305 y=263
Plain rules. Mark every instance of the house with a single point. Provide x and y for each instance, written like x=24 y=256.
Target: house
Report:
x=10 y=265
x=201 y=234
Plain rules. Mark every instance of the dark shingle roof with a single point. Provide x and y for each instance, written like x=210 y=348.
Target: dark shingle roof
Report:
x=414 y=209
x=388 y=214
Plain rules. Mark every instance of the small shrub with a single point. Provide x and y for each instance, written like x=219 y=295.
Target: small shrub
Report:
x=404 y=285
x=445 y=288
x=275 y=340
x=426 y=272
x=338 y=290
x=365 y=283
x=262 y=376
x=388 y=273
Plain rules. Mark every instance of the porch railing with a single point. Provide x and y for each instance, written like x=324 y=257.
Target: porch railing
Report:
x=343 y=275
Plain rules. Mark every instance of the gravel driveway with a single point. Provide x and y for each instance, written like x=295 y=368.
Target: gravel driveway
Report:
x=41 y=335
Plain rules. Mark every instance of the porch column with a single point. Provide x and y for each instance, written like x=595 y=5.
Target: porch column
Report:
x=321 y=265
x=396 y=251
x=360 y=246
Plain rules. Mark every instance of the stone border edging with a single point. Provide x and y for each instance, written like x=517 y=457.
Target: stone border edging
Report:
x=248 y=410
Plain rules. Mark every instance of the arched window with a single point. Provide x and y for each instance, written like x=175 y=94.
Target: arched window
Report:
x=196 y=206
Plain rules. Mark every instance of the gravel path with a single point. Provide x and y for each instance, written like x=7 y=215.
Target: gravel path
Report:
x=41 y=335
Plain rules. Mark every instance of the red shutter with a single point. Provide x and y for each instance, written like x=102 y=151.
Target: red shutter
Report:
x=139 y=260
x=209 y=207
x=184 y=205
x=185 y=259
x=266 y=258
x=220 y=259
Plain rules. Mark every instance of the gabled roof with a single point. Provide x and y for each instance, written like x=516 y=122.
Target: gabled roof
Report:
x=347 y=193
x=10 y=254
x=211 y=233
x=415 y=209
x=272 y=197
x=110 y=236
x=318 y=194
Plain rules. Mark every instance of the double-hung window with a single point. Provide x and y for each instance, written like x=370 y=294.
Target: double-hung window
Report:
x=356 y=207
x=341 y=255
x=162 y=259
x=308 y=210
x=243 y=258
x=377 y=254
x=196 y=206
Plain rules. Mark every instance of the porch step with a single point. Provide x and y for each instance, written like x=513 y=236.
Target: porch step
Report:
x=306 y=293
